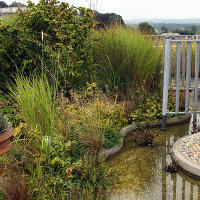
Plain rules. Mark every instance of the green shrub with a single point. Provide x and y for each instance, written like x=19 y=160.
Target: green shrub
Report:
x=146 y=28
x=9 y=109
x=3 y=123
x=125 y=59
x=50 y=38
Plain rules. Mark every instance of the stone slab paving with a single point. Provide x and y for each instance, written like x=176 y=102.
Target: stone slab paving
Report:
x=186 y=152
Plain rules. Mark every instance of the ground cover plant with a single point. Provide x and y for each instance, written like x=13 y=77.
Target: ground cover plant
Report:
x=149 y=107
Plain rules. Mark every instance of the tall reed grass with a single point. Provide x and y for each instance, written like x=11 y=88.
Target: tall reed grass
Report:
x=126 y=59
x=37 y=101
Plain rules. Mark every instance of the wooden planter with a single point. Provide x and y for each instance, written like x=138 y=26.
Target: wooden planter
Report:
x=5 y=140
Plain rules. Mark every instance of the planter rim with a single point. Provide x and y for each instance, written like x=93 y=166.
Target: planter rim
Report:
x=6 y=134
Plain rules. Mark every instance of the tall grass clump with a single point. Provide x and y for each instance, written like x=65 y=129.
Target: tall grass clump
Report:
x=37 y=101
x=126 y=59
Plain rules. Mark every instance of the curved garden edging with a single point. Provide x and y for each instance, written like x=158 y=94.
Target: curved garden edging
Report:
x=188 y=165
x=5 y=140
x=108 y=153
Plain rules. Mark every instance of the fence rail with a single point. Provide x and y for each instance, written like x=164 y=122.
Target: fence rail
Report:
x=187 y=52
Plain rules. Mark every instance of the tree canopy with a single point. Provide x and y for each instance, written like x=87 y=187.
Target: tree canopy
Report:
x=190 y=30
x=16 y=4
x=107 y=19
x=13 y=4
x=164 y=29
x=3 y=4
x=146 y=28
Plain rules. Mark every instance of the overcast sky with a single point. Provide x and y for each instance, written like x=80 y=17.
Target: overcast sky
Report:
x=132 y=9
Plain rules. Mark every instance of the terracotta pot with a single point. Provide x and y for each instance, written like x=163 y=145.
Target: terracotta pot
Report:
x=5 y=140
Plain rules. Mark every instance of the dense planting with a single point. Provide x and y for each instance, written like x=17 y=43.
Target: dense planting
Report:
x=73 y=89
x=58 y=148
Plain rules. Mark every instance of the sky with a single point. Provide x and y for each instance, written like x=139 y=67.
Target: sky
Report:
x=134 y=9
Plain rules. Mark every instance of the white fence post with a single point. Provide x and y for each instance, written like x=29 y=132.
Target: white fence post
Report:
x=166 y=82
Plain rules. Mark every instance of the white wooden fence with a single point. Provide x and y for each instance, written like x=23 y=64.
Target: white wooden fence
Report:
x=182 y=77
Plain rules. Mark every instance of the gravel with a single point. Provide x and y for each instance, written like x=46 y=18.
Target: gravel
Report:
x=189 y=148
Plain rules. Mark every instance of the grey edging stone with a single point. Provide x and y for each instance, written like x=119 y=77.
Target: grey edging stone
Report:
x=188 y=165
x=108 y=153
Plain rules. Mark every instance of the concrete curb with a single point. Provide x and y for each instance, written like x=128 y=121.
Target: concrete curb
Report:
x=188 y=165
x=109 y=153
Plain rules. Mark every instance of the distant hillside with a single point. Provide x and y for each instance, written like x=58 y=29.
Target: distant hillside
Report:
x=176 y=21
x=170 y=24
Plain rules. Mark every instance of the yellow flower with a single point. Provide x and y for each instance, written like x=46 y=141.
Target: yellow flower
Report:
x=18 y=129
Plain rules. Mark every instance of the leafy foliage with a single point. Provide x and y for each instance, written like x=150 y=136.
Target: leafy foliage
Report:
x=3 y=123
x=109 y=118
x=112 y=137
x=150 y=109
x=3 y=4
x=146 y=28
x=107 y=19
x=145 y=138
x=9 y=110
x=164 y=29
x=51 y=38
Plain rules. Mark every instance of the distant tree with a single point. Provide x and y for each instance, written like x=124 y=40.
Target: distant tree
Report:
x=146 y=28
x=193 y=29
x=3 y=4
x=186 y=31
x=16 y=4
x=182 y=31
x=164 y=29
x=107 y=19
